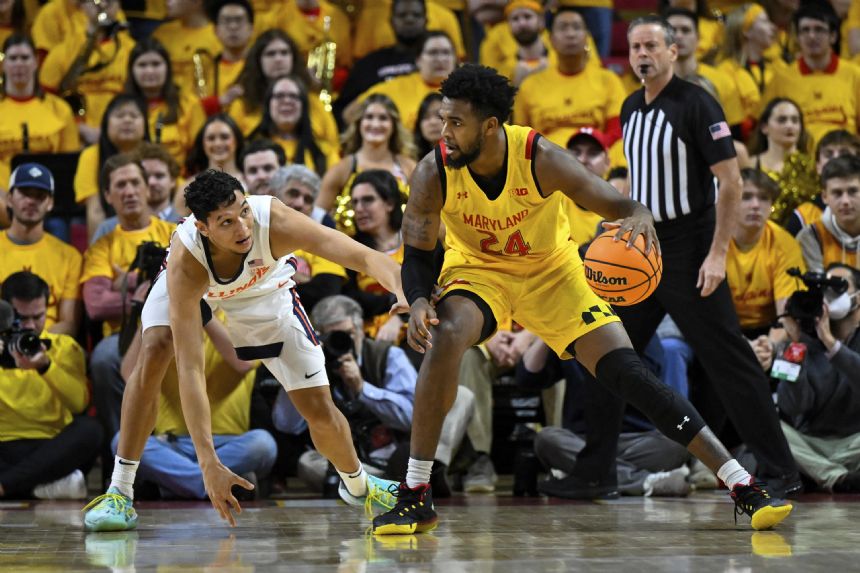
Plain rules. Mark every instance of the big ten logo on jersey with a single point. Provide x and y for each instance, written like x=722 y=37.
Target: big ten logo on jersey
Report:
x=519 y=191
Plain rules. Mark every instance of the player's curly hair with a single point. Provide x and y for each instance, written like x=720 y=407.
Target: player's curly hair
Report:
x=490 y=93
x=211 y=190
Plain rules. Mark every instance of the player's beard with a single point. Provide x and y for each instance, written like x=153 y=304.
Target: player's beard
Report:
x=527 y=37
x=466 y=157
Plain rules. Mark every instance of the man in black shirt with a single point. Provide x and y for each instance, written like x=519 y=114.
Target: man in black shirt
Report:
x=679 y=147
x=409 y=21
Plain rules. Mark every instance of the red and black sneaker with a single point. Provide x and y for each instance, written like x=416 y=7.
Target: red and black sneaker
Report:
x=413 y=513
x=755 y=501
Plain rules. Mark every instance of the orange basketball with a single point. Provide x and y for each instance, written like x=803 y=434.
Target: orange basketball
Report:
x=619 y=275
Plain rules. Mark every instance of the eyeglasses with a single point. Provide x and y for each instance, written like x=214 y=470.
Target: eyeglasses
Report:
x=286 y=96
x=293 y=193
x=365 y=201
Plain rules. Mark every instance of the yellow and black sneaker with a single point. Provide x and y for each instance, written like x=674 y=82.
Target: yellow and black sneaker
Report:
x=413 y=513
x=755 y=501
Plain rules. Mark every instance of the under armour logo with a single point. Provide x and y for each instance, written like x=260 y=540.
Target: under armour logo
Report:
x=681 y=425
x=462 y=194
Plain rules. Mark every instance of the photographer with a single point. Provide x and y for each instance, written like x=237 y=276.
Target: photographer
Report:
x=89 y=66
x=373 y=383
x=44 y=444
x=112 y=288
x=821 y=403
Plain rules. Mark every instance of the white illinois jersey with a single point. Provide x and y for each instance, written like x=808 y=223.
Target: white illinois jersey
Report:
x=259 y=300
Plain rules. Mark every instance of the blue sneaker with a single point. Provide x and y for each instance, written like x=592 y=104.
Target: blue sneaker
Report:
x=111 y=511
x=380 y=495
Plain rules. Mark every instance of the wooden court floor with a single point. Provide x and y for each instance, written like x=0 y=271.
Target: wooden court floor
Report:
x=477 y=534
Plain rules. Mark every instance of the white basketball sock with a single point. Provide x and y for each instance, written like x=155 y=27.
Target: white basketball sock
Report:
x=732 y=474
x=123 y=475
x=418 y=472
x=355 y=482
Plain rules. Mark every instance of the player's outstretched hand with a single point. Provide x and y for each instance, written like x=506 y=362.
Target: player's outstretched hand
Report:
x=219 y=480
x=421 y=316
x=639 y=224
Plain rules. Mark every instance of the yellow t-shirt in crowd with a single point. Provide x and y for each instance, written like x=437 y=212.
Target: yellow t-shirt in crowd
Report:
x=290 y=145
x=407 y=92
x=119 y=248
x=181 y=43
x=87 y=175
x=56 y=262
x=710 y=37
x=50 y=124
x=99 y=86
x=830 y=99
x=229 y=396
x=727 y=91
x=307 y=31
x=750 y=82
x=555 y=104
x=373 y=27
x=323 y=124
x=177 y=138
x=758 y=277
x=56 y=21
x=37 y=406
x=320 y=266
x=228 y=73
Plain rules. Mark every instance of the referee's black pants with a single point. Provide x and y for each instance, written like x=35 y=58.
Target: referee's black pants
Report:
x=710 y=326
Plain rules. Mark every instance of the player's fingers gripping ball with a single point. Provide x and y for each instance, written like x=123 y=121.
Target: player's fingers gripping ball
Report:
x=619 y=275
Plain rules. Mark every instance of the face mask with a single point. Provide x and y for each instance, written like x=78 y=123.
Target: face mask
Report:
x=840 y=306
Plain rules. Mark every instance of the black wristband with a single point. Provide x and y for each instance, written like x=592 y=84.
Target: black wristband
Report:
x=417 y=273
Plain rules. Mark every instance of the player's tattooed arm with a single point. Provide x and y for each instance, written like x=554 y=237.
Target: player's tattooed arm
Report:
x=422 y=216
x=558 y=170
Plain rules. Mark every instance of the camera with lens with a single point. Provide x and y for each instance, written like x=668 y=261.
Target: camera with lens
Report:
x=805 y=306
x=24 y=341
x=148 y=260
x=335 y=345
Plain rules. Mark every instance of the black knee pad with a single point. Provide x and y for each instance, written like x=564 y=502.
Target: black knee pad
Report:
x=624 y=373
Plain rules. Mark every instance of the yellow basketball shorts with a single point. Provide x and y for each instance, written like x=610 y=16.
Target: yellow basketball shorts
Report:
x=549 y=298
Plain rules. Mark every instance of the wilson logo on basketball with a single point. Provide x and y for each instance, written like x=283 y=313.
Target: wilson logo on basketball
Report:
x=519 y=191
x=599 y=278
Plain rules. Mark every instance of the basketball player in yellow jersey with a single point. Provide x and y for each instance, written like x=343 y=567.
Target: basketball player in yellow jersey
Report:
x=494 y=186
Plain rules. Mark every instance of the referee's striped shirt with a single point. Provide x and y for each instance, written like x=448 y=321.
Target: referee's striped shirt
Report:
x=670 y=145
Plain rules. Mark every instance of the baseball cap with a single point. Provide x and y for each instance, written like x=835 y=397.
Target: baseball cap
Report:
x=593 y=133
x=32 y=175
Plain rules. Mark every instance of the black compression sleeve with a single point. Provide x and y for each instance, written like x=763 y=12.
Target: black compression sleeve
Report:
x=417 y=273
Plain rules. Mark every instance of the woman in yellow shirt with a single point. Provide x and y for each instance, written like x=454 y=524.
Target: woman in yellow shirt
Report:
x=30 y=120
x=287 y=122
x=378 y=219
x=375 y=139
x=123 y=127
x=274 y=55
x=780 y=149
x=174 y=117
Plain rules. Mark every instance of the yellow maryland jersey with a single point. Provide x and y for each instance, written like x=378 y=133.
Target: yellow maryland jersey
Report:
x=181 y=43
x=109 y=62
x=118 y=248
x=830 y=99
x=758 y=277
x=517 y=230
x=51 y=128
x=56 y=262
x=556 y=104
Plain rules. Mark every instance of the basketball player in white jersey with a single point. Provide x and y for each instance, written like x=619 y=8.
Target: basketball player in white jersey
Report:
x=236 y=252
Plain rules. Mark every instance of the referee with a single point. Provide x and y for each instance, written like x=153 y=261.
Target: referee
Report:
x=678 y=146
